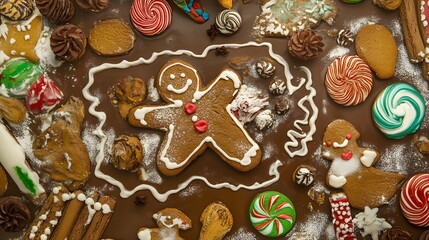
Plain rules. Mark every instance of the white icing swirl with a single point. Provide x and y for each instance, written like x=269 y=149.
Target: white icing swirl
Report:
x=298 y=141
x=228 y=22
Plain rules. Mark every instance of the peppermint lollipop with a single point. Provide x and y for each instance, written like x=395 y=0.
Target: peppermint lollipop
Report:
x=150 y=17
x=415 y=200
x=272 y=214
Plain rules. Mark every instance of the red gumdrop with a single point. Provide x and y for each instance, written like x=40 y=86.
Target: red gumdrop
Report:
x=201 y=126
x=190 y=108
x=43 y=95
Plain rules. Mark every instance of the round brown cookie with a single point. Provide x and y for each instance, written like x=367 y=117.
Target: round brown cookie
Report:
x=3 y=181
x=377 y=47
x=195 y=118
x=111 y=37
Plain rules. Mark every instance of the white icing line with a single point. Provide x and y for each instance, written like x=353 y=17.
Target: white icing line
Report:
x=181 y=90
x=307 y=120
x=341 y=145
x=304 y=138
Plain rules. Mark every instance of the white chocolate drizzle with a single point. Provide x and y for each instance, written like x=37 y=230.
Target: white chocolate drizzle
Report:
x=298 y=141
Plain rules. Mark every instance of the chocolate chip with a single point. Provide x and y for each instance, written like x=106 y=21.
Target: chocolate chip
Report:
x=140 y=200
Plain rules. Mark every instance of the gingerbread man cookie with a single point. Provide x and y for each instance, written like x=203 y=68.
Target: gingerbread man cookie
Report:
x=170 y=221
x=196 y=117
x=352 y=170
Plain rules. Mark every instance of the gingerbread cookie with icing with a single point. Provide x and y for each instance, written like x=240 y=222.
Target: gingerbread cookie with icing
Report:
x=280 y=18
x=351 y=168
x=196 y=118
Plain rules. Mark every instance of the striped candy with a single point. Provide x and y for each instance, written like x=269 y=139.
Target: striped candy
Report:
x=151 y=17
x=272 y=214
x=348 y=80
x=398 y=110
x=415 y=200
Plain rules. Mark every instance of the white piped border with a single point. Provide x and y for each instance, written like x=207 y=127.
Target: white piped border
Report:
x=294 y=135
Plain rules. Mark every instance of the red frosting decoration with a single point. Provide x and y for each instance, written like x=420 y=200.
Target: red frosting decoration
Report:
x=328 y=143
x=347 y=155
x=201 y=126
x=349 y=136
x=43 y=95
x=190 y=108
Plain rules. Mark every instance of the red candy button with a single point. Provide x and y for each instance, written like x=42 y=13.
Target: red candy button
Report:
x=201 y=126
x=347 y=155
x=190 y=108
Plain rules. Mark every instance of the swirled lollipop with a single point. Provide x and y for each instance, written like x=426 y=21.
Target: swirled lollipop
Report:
x=415 y=200
x=150 y=17
x=398 y=110
x=272 y=214
x=348 y=80
x=228 y=21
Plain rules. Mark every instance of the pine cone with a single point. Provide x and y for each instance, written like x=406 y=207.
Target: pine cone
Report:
x=305 y=44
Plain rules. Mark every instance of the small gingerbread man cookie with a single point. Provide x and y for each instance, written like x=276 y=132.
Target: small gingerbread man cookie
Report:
x=352 y=170
x=195 y=118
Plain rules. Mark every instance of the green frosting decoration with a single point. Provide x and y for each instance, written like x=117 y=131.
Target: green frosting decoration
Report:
x=26 y=180
x=272 y=214
x=18 y=74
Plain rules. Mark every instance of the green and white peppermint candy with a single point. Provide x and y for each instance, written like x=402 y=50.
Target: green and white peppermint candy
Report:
x=399 y=110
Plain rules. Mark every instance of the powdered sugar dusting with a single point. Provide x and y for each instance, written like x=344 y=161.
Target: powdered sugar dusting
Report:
x=242 y=234
x=150 y=143
x=393 y=160
x=314 y=224
x=336 y=52
x=153 y=94
x=189 y=191
x=356 y=24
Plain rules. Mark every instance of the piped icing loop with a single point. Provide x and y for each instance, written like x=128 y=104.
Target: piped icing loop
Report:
x=272 y=214
x=398 y=110
x=348 y=80
x=151 y=17
x=415 y=200
x=228 y=22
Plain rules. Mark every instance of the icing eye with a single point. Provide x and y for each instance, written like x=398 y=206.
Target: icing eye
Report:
x=348 y=136
x=329 y=143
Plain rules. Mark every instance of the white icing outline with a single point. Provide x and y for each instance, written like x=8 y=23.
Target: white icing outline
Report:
x=304 y=138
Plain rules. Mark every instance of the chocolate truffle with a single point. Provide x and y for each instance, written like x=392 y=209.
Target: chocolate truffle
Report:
x=265 y=68
x=127 y=153
x=68 y=42
x=14 y=214
x=304 y=175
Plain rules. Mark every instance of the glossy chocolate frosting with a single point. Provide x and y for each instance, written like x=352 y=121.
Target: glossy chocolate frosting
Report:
x=184 y=33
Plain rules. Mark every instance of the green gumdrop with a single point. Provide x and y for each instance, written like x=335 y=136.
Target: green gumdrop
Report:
x=20 y=71
x=352 y=1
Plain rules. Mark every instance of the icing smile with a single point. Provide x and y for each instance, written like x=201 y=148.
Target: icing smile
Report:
x=180 y=90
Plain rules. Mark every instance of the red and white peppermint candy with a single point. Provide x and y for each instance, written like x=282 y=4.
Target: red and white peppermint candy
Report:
x=151 y=17
x=342 y=215
x=415 y=200
x=348 y=80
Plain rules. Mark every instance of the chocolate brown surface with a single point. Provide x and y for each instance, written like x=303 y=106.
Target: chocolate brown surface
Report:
x=128 y=218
